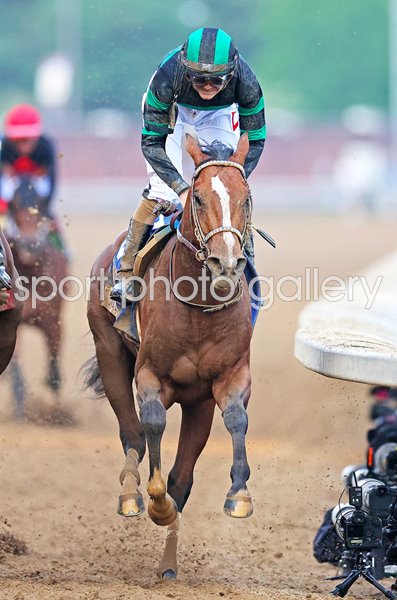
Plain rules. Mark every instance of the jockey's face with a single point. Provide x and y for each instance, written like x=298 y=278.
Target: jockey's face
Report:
x=207 y=90
x=208 y=86
x=25 y=145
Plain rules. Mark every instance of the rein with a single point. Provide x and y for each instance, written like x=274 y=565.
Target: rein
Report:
x=202 y=252
x=207 y=308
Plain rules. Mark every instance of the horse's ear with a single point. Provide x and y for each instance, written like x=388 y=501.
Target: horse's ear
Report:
x=194 y=149
x=242 y=149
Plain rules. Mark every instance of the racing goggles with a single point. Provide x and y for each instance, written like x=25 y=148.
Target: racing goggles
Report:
x=215 y=80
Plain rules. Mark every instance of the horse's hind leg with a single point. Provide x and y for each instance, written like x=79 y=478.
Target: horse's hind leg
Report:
x=116 y=365
x=18 y=387
x=162 y=508
x=231 y=392
x=195 y=429
x=51 y=327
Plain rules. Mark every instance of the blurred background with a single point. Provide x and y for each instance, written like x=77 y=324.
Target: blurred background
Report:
x=326 y=69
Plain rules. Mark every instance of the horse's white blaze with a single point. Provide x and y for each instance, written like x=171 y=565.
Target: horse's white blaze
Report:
x=219 y=187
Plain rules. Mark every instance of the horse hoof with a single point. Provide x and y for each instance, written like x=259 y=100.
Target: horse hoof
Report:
x=168 y=575
x=131 y=505
x=239 y=506
x=165 y=513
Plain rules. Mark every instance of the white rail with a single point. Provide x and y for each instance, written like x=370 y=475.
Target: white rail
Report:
x=345 y=340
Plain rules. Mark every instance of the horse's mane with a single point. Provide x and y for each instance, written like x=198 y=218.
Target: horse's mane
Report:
x=217 y=150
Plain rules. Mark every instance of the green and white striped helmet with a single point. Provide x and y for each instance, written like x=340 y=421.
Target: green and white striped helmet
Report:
x=209 y=52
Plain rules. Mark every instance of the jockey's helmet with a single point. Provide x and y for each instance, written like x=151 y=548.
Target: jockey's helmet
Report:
x=23 y=121
x=209 y=54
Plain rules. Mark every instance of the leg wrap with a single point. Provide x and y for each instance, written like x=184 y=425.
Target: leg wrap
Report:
x=131 y=466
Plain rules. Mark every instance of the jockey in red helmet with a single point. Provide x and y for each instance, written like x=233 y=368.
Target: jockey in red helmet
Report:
x=25 y=151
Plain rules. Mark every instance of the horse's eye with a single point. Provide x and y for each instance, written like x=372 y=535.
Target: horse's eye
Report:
x=197 y=199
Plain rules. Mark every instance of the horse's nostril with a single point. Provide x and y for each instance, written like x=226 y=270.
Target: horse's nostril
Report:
x=215 y=265
x=231 y=268
x=241 y=262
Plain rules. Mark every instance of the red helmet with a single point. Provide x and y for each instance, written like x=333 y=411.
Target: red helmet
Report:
x=23 y=121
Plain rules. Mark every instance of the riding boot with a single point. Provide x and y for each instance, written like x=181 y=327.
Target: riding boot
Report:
x=137 y=236
x=249 y=249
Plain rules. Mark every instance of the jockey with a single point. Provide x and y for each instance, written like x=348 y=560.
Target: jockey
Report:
x=26 y=152
x=205 y=83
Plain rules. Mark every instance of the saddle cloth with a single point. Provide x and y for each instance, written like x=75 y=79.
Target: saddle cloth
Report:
x=127 y=318
x=10 y=303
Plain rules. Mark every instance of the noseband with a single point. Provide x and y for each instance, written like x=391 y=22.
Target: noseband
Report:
x=202 y=252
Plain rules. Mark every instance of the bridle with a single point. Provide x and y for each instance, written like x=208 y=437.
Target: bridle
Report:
x=202 y=252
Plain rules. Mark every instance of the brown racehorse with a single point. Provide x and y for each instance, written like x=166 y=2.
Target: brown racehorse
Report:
x=194 y=350
x=37 y=253
x=10 y=309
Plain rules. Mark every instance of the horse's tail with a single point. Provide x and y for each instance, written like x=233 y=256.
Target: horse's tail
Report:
x=92 y=376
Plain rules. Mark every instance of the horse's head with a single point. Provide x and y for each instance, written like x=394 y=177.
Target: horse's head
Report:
x=220 y=205
x=31 y=225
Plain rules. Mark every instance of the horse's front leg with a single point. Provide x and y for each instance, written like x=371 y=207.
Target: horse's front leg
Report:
x=162 y=508
x=50 y=324
x=195 y=429
x=231 y=392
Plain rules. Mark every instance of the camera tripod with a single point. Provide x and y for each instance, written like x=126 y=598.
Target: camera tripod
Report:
x=361 y=569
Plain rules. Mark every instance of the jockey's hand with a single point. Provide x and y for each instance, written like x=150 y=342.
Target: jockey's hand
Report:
x=42 y=186
x=183 y=197
x=170 y=211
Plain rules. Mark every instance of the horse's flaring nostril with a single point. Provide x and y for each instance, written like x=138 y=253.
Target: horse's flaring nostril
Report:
x=241 y=262
x=215 y=265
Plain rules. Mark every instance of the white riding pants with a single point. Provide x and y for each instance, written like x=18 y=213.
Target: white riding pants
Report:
x=211 y=125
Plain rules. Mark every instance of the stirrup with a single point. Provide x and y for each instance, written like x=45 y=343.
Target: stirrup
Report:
x=116 y=292
x=124 y=289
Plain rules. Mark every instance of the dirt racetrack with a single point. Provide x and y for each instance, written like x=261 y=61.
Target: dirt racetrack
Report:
x=59 y=486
